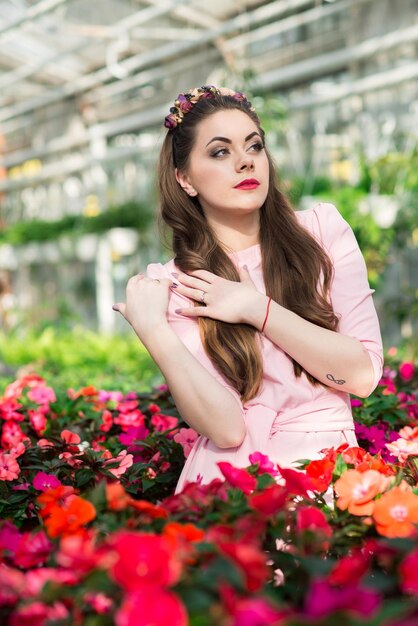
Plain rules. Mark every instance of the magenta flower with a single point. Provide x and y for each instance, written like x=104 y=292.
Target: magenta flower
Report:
x=32 y=550
x=265 y=465
x=43 y=481
x=134 y=433
x=9 y=537
x=406 y=371
x=355 y=402
x=324 y=599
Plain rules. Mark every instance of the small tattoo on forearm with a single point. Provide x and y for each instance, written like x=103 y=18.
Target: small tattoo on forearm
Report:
x=337 y=381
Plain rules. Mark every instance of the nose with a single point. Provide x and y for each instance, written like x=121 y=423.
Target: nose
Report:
x=246 y=162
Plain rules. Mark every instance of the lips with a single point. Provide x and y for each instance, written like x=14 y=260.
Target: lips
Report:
x=248 y=183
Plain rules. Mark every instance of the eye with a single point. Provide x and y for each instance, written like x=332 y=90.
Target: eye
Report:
x=219 y=152
x=258 y=146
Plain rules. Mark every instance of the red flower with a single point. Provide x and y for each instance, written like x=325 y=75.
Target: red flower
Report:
x=349 y=569
x=408 y=571
x=310 y=518
x=144 y=561
x=162 y=423
x=152 y=510
x=297 y=483
x=155 y=606
x=320 y=473
x=78 y=553
x=237 y=477
x=270 y=501
x=251 y=561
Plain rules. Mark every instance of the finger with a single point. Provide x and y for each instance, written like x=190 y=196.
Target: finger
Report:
x=120 y=307
x=194 y=311
x=191 y=281
x=244 y=274
x=203 y=275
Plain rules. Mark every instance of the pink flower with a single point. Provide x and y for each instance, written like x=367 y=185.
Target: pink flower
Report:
x=130 y=419
x=162 y=423
x=155 y=606
x=403 y=448
x=70 y=437
x=107 y=420
x=186 y=437
x=125 y=461
x=265 y=465
x=38 y=614
x=78 y=553
x=32 y=550
x=238 y=478
x=9 y=468
x=99 y=601
x=409 y=433
x=154 y=408
x=12 y=435
x=36 y=579
x=12 y=584
x=37 y=420
x=42 y=395
x=43 y=481
x=406 y=371
x=9 y=410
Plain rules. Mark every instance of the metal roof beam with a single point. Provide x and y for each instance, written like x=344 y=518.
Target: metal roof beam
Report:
x=32 y=13
x=155 y=56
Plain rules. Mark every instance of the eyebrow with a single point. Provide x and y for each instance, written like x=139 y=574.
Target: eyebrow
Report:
x=226 y=140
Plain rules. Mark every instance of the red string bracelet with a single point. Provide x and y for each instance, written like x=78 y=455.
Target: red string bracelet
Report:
x=267 y=314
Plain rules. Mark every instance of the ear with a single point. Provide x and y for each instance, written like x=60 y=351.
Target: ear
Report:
x=184 y=182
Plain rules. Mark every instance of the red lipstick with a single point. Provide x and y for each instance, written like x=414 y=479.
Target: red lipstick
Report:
x=248 y=183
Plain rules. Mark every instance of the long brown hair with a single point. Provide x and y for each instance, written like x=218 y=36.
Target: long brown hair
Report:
x=297 y=271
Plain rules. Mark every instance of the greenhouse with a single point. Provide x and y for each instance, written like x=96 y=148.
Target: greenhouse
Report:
x=96 y=527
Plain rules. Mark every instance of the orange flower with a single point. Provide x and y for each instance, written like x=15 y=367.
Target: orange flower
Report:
x=356 y=490
x=53 y=498
x=117 y=498
x=396 y=513
x=70 y=519
x=152 y=510
x=189 y=532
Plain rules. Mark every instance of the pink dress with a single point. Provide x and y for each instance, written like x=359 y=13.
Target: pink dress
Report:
x=289 y=419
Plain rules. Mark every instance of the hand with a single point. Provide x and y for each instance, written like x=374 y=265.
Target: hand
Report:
x=225 y=300
x=146 y=304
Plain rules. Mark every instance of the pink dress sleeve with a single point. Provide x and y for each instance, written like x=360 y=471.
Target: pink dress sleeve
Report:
x=186 y=328
x=351 y=295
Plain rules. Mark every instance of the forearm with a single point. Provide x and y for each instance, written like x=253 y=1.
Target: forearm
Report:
x=337 y=360
x=204 y=403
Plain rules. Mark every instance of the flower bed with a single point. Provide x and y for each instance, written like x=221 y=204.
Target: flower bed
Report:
x=93 y=535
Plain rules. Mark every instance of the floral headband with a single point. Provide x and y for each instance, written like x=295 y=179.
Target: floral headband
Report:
x=186 y=101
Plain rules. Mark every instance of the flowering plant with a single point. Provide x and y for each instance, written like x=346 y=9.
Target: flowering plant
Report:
x=93 y=535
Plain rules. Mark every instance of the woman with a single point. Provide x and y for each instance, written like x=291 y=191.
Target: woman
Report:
x=263 y=323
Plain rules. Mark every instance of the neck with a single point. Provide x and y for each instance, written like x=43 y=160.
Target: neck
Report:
x=236 y=234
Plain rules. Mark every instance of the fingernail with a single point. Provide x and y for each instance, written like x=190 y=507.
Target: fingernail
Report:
x=245 y=267
x=174 y=285
x=175 y=274
x=115 y=308
x=177 y=311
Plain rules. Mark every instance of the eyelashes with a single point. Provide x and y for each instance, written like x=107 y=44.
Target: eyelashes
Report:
x=258 y=146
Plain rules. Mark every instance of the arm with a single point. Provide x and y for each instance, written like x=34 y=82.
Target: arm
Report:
x=204 y=402
x=348 y=360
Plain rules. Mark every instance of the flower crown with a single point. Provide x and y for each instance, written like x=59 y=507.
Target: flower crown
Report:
x=186 y=101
